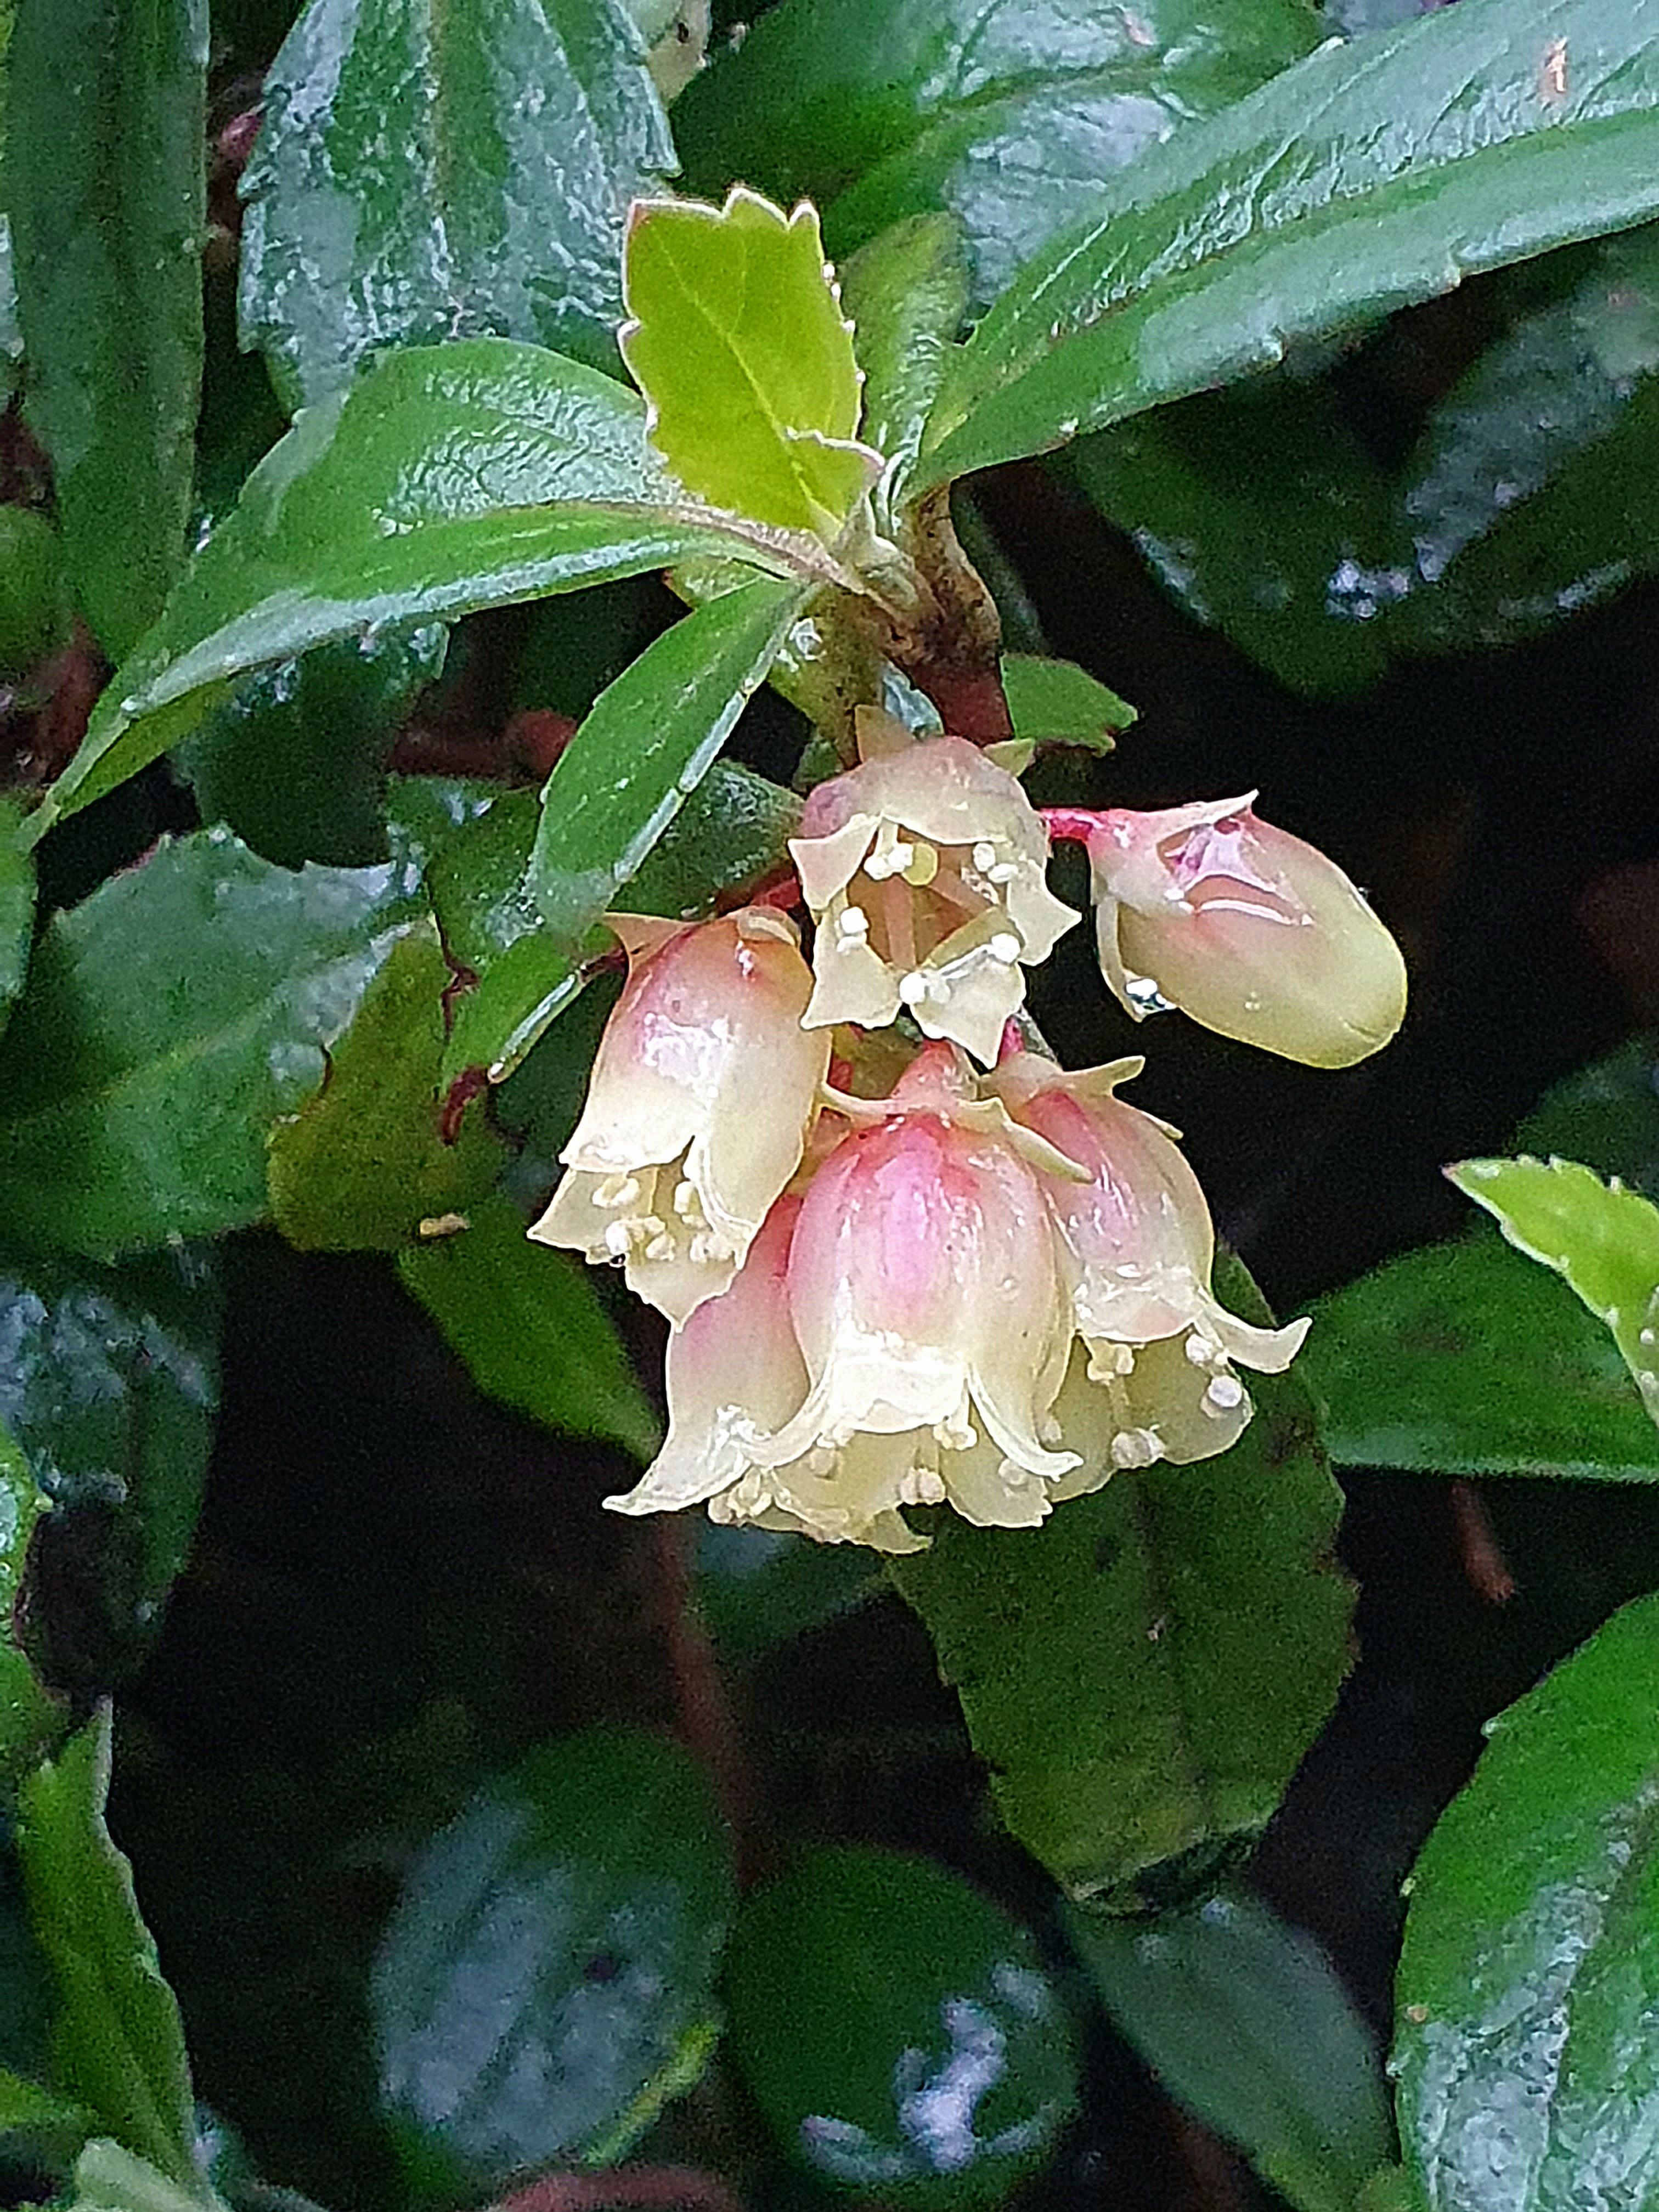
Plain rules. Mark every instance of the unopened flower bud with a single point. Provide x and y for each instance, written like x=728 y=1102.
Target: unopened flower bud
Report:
x=924 y=869
x=702 y=1093
x=1250 y=931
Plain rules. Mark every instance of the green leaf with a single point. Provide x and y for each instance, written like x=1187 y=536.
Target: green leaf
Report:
x=1244 y=2020
x=898 y=2030
x=1464 y=1360
x=1601 y=1239
x=906 y=295
x=1524 y=2051
x=1008 y=117
x=29 y=1716
x=756 y=1588
x=1205 y=257
x=170 y=1018
x=530 y=1327
x=449 y=478
x=295 y=761
x=361 y=1165
x=651 y=737
x=109 y=1385
x=35 y=601
x=108 y=2179
x=106 y=186
x=523 y=128
x=118 y=2044
x=546 y=1982
x=1143 y=1673
x=1055 y=701
x=17 y=908
x=36 y=2126
x=738 y=342
x=1607 y=1112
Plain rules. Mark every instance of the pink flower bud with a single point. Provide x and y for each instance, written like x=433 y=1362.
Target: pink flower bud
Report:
x=1140 y=1249
x=702 y=1093
x=924 y=872
x=1246 y=928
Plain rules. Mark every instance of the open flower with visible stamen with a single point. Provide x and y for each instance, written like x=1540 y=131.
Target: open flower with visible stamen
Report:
x=703 y=1091
x=924 y=869
x=1140 y=1248
x=1252 y=932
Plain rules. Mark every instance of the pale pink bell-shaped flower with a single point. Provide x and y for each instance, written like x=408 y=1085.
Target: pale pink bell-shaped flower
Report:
x=702 y=1093
x=1248 y=930
x=924 y=869
x=1140 y=1248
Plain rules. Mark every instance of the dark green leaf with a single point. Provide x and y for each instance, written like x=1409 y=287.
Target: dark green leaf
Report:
x=294 y=761
x=1009 y=117
x=1209 y=254
x=1608 y=1113
x=105 y=187
x=1244 y=2020
x=529 y=1325
x=450 y=477
x=898 y=2030
x=426 y=172
x=171 y=1017
x=34 y=603
x=1143 y=1673
x=756 y=1588
x=28 y=1715
x=906 y=293
x=651 y=737
x=118 y=2045
x=16 y=909
x=109 y=1383
x=37 y=2126
x=1524 y=2053
x=1468 y=1359
x=363 y=1165
x=547 y=1981
x=1057 y=702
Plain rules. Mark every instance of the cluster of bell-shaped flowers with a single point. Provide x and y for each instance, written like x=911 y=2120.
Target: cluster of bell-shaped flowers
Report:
x=897 y=1278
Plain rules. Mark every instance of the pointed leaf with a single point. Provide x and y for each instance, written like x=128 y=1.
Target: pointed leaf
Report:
x=450 y=477
x=1208 y=255
x=652 y=735
x=106 y=188
x=1143 y=1673
x=118 y=2044
x=1525 y=2052
x=1602 y=1238
x=739 y=344
x=529 y=1325
x=523 y=128
x=1057 y=702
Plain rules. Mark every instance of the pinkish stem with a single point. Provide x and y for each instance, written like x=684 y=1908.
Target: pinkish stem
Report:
x=1074 y=824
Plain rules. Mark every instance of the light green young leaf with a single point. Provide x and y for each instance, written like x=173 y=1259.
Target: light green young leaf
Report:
x=739 y=342
x=1601 y=1239
x=1447 y=146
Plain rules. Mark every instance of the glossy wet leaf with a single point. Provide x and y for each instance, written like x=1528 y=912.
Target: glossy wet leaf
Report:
x=651 y=737
x=294 y=761
x=1465 y=1359
x=171 y=1019
x=906 y=295
x=1243 y=2019
x=546 y=1982
x=108 y=1386
x=1057 y=702
x=1523 y=2050
x=105 y=186
x=449 y=478
x=530 y=1327
x=116 y=2043
x=1599 y=1237
x=29 y=1715
x=1209 y=254
x=1009 y=117
x=425 y=172
x=1143 y=1673
x=17 y=908
x=737 y=338
x=364 y=1162
x=897 y=2029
